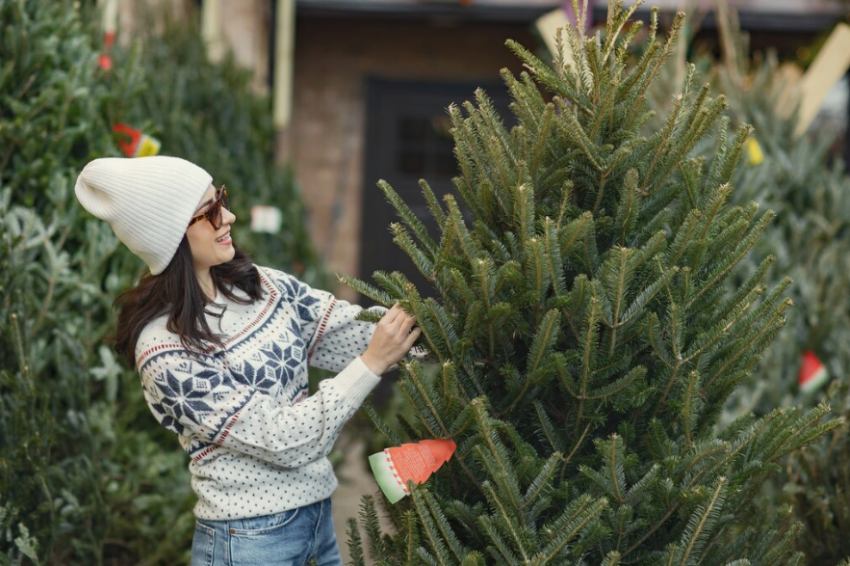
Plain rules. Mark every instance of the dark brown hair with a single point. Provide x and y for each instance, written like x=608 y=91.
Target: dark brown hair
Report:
x=177 y=293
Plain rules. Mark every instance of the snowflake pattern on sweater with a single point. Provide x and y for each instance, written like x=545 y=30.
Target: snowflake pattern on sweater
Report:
x=257 y=442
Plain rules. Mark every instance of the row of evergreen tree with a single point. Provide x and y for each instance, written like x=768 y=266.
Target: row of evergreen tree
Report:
x=810 y=191
x=86 y=475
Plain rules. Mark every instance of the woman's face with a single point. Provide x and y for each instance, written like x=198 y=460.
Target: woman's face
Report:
x=206 y=251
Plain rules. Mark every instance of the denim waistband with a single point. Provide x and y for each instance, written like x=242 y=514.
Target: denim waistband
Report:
x=288 y=538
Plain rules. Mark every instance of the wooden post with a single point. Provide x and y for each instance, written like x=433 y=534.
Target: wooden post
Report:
x=549 y=23
x=211 y=29
x=283 y=76
x=110 y=15
x=829 y=67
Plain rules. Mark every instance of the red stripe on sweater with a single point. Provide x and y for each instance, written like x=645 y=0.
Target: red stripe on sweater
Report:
x=322 y=327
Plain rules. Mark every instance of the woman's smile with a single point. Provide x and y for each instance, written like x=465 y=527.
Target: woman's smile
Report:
x=225 y=240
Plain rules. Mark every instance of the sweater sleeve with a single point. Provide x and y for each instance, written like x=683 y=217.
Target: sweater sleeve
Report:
x=329 y=326
x=197 y=398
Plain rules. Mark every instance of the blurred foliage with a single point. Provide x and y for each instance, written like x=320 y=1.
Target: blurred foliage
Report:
x=810 y=239
x=86 y=474
x=207 y=113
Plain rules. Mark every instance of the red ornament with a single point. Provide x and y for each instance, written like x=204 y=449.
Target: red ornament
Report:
x=812 y=373
x=135 y=143
x=105 y=61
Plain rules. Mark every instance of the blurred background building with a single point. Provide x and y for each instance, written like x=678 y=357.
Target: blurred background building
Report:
x=361 y=89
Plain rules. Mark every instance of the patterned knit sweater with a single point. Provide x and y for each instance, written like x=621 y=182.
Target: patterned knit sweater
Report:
x=257 y=442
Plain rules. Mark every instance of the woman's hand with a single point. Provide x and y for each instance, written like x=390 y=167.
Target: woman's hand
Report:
x=393 y=338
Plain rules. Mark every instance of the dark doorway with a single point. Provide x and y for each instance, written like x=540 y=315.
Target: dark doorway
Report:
x=408 y=139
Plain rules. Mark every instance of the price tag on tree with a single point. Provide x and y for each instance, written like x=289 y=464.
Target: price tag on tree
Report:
x=266 y=219
x=812 y=373
x=394 y=467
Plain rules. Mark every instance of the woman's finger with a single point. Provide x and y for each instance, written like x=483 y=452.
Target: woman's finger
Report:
x=392 y=314
x=395 y=324
x=411 y=339
x=406 y=324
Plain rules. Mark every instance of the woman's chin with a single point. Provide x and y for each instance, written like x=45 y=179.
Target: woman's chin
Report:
x=223 y=256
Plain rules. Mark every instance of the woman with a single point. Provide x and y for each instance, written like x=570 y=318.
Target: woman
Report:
x=222 y=348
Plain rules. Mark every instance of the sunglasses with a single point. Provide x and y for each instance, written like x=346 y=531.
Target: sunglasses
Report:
x=214 y=212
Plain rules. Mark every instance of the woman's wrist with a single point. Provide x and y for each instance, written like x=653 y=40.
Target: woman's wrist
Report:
x=374 y=365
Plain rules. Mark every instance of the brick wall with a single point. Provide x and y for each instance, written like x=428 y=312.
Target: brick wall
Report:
x=332 y=60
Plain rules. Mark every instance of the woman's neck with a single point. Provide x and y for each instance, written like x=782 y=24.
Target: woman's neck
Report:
x=207 y=286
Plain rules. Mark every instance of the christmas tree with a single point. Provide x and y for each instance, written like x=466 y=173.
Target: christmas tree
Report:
x=585 y=338
x=87 y=476
x=795 y=176
x=811 y=240
x=55 y=424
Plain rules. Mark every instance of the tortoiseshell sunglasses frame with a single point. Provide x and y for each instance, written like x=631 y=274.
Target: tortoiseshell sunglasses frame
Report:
x=215 y=209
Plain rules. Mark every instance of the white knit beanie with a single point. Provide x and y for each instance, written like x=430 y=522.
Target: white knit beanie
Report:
x=148 y=201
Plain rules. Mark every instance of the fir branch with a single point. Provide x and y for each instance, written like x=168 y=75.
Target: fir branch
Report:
x=433 y=205
x=411 y=535
x=553 y=257
x=769 y=327
x=702 y=520
x=523 y=217
x=573 y=233
x=428 y=527
x=589 y=344
x=656 y=341
x=505 y=553
x=506 y=520
x=409 y=218
x=527 y=103
x=569 y=525
x=635 y=374
x=492 y=122
x=537 y=271
x=355 y=543
x=628 y=206
x=542 y=137
x=544 y=340
x=644 y=483
x=689 y=413
x=504 y=471
x=734 y=258
x=372 y=527
x=423 y=263
x=575 y=132
x=426 y=398
x=547 y=428
x=470 y=249
x=617 y=19
x=541 y=484
x=379 y=423
x=442 y=524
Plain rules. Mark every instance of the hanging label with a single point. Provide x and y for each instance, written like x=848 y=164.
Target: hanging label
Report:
x=394 y=467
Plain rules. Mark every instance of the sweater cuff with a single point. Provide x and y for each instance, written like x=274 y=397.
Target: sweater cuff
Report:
x=356 y=381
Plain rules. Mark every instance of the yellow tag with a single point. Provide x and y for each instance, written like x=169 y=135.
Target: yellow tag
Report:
x=147 y=146
x=754 y=149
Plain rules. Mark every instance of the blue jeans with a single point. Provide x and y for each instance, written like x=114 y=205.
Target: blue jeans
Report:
x=290 y=538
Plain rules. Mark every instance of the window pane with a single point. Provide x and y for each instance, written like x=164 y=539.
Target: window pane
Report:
x=411 y=162
x=445 y=164
x=413 y=129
